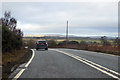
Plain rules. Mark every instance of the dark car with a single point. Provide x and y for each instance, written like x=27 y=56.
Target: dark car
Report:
x=41 y=45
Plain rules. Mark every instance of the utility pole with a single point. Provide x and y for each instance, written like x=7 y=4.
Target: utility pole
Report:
x=67 y=34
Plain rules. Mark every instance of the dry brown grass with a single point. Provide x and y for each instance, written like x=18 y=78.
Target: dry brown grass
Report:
x=0 y=58
x=106 y=49
x=12 y=57
x=111 y=49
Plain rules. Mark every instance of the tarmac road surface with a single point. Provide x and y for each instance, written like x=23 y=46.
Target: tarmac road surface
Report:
x=71 y=63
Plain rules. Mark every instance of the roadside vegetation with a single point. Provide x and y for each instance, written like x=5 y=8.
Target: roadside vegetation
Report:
x=103 y=44
x=13 y=47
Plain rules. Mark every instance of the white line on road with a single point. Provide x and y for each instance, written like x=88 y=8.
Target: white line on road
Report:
x=30 y=59
x=92 y=64
x=99 y=66
x=18 y=75
x=22 y=70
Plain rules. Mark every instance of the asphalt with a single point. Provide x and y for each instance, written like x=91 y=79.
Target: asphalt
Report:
x=109 y=61
x=53 y=64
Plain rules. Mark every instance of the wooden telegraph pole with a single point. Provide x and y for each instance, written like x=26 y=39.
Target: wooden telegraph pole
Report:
x=67 y=34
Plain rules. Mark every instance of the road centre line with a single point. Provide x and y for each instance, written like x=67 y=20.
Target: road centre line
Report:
x=100 y=66
x=92 y=64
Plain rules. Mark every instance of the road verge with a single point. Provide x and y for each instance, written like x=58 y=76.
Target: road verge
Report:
x=22 y=69
x=11 y=66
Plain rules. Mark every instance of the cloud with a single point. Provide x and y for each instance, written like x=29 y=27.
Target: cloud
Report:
x=51 y=17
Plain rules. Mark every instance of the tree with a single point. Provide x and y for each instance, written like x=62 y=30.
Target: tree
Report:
x=117 y=41
x=11 y=36
x=104 y=41
x=10 y=23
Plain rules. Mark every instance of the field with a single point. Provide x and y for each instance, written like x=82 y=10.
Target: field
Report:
x=60 y=40
x=92 y=45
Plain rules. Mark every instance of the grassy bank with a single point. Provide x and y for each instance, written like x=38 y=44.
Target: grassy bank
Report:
x=14 y=59
x=114 y=50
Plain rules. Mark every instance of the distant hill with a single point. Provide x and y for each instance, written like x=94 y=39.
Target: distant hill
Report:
x=53 y=36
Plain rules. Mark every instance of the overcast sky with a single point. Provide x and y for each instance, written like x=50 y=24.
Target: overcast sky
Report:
x=85 y=18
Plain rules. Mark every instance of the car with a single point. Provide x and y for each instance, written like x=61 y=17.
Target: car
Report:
x=42 y=44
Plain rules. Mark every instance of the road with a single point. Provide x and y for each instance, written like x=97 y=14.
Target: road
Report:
x=71 y=63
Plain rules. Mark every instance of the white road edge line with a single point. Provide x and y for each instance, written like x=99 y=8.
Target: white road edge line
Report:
x=103 y=53
x=30 y=59
x=22 y=70
x=78 y=58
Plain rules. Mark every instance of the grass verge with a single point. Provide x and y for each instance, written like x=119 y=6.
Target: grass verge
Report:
x=10 y=61
x=95 y=48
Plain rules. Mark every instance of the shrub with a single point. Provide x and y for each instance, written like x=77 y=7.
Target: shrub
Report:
x=104 y=41
x=52 y=43
x=31 y=44
x=83 y=43
x=117 y=41
x=73 y=43
x=63 y=43
x=11 y=36
x=10 y=41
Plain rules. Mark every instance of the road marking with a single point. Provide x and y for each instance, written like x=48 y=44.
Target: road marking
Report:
x=30 y=59
x=98 y=52
x=92 y=64
x=22 y=70
x=18 y=75
x=100 y=66
x=109 y=54
x=97 y=68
